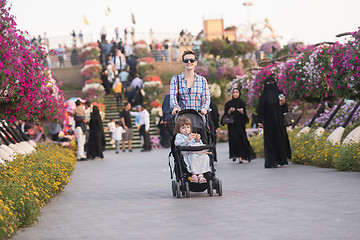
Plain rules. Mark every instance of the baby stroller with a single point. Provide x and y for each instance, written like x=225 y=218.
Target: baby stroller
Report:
x=181 y=183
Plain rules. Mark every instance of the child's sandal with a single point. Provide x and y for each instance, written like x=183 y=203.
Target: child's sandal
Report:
x=194 y=179
x=202 y=179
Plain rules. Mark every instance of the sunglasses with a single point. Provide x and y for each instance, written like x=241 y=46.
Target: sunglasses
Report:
x=189 y=60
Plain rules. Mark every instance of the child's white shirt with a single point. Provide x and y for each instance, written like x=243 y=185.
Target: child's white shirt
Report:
x=117 y=134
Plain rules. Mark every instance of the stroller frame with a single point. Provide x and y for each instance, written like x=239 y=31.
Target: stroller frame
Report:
x=180 y=177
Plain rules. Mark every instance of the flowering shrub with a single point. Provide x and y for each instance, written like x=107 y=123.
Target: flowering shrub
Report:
x=270 y=47
x=147 y=69
x=307 y=74
x=93 y=80
x=315 y=74
x=27 y=90
x=93 y=91
x=295 y=46
x=29 y=182
x=152 y=78
x=340 y=116
x=153 y=89
x=308 y=150
x=156 y=112
x=345 y=67
x=228 y=72
x=202 y=71
x=215 y=90
x=348 y=158
x=91 y=71
x=155 y=104
x=91 y=62
x=145 y=60
x=88 y=53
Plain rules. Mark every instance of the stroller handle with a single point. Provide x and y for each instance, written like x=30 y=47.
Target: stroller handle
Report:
x=195 y=148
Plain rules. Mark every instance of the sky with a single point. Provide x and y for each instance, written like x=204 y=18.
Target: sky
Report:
x=309 y=21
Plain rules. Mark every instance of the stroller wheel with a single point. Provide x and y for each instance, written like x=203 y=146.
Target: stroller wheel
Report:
x=219 y=188
x=178 y=189
x=173 y=187
x=187 y=189
x=210 y=187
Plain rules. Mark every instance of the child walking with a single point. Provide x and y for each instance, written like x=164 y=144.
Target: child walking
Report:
x=117 y=135
x=197 y=162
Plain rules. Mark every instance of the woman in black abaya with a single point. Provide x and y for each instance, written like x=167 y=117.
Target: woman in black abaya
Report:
x=96 y=142
x=271 y=117
x=239 y=146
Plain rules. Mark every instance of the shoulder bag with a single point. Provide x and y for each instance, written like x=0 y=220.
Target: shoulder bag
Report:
x=226 y=119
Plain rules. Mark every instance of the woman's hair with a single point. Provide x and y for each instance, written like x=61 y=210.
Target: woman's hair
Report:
x=186 y=52
x=181 y=121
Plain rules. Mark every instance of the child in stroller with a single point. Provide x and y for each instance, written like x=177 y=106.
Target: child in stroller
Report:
x=193 y=162
x=197 y=162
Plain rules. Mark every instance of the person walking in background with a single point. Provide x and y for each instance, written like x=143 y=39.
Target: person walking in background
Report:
x=111 y=128
x=117 y=135
x=81 y=39
x=144 y=123
x=119 y=61
x=136 y=97
x=175 y=50
x=166 y=50
x=61 y=54
x=132 y=63
x=124 y=74
x=80 y=129
x=271 y=111
x=117 y=88
x=103 y=34
x=197 y=47
x=96 y=143
x=239 y=146
x=73 y=34
x=127 y=50
x=214 y=124
x=125 y=119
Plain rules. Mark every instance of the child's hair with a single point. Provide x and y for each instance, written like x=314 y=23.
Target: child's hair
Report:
x=111 y=119
x=181 y=122
x=117 y=123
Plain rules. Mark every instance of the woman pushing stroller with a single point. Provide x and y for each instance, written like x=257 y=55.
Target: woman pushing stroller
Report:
x=197 y=162
x=189 y=90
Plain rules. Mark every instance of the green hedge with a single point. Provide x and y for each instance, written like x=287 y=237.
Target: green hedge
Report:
x=29 y=182
x=309 y=150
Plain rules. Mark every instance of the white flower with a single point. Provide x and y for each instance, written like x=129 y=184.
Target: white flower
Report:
x=96 y=86
x=157 y=112
x=153 y=84
x=215 y=90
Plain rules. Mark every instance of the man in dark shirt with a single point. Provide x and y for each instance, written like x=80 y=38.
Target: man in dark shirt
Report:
x=132 y=62
x=125 y=119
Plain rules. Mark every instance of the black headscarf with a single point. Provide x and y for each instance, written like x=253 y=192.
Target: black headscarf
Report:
x=271 y=90
x=236 y=103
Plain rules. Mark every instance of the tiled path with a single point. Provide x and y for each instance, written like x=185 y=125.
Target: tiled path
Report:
x=128 y=196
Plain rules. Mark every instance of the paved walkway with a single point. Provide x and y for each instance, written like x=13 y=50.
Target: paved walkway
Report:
x=128 y=196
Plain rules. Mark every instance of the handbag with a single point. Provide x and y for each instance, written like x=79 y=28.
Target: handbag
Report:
x=226 y=119
x=289 y=119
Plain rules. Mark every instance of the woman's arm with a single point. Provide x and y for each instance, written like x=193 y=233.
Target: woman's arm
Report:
x=205 y=95
x=173 y=92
